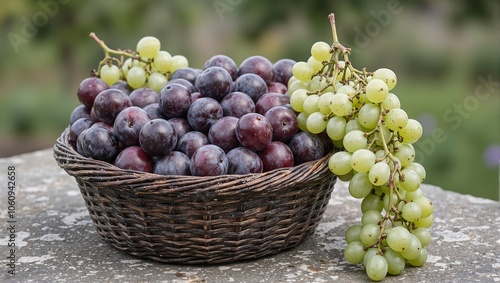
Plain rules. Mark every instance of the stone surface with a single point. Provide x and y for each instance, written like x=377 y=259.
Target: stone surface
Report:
x=56 y=240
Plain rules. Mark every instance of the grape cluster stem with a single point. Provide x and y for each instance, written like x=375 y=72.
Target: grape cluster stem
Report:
x=108 y=59
x=338 y=48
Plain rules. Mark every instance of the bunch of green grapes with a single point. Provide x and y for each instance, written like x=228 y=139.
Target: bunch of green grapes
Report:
x=147 y=66
x=374 y=137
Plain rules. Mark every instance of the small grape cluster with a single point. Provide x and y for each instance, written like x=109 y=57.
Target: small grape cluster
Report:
x=147 y=66
x=374 y=137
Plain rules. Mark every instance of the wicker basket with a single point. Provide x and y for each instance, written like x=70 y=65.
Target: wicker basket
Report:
x=192 y=220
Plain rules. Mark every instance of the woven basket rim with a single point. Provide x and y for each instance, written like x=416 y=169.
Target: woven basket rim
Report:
x=97 y=171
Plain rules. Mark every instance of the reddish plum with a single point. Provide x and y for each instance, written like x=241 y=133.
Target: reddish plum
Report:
x=254 y=131
x=208 y=160
x=134 y=158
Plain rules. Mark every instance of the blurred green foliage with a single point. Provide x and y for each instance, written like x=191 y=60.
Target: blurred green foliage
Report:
x=442 y=51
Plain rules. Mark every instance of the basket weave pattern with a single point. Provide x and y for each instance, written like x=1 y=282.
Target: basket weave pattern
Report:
x=193 y=220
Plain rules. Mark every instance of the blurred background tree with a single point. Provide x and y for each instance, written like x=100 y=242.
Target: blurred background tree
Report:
x=446 y=55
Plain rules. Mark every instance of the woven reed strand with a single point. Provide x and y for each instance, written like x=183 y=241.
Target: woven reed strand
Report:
x=193 y=220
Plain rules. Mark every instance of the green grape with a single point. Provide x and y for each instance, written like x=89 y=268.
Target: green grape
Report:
x=363 y=99
x=372 y=202
x=368 y=116
x=302 y=71
x=314 y=64
x=139 y=63
x=423 y=235
x=291 y=80
x=298 y=85
x=391 y=101
x=339 y=163
x=401 y=204
x=359 y=186
x=396 y=119
x=316 y=84
x=398 y=238
x=369 y=254
x=413 y=251
x=311 y=104
x=157 y=81
x=386 y=75
x=329 y=89
x=346 y=177
x=341 y=105
x=410 y=196
x=136 y=77
x=425 y=222
x=148 y=47
x=127 y=64
x=395 y=261
x=412 y=131
x=426 y=206
x=335 y=128
x=297 y=99
x=379 y=190
x=178 y=61
x=162 y=61
x=405 y=153
x=110 y=74
x=324 y=102
x=302 y=121
x=380 y=154
x=411 y=180
x=371 y=217
x=411 y=212
x=347 y=71
x=352 y=233
x=316 y=123
x=362 y=160
x=353 y=124
x=369 y=234
x=379 y=173
x=387 y=198
x=383 y=131
x=376 y=267
x=347 y=89
x=417 y=167
x=321 y=51
x=354 y=252
x=355 y=140
x=421 y=259
x=376 y=90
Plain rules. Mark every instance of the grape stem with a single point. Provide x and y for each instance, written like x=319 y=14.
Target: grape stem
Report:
x=338 y=48
x=108 y=51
